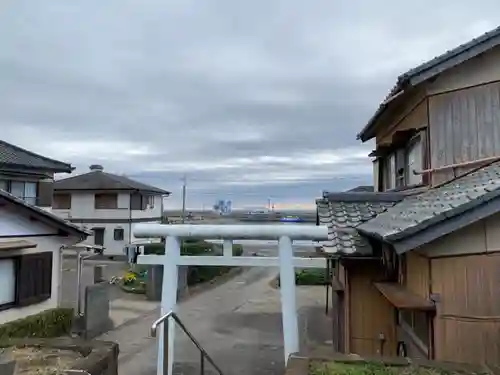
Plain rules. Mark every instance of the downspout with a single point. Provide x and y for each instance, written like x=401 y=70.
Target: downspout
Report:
x=130 y=219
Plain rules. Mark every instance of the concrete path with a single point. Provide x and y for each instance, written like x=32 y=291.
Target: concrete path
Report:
x=238 y=323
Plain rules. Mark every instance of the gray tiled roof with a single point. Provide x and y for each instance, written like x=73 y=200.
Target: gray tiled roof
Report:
x=14 y=157
x=428 y=69
x=99 y=180
x=343 y=212
x=418 y=212
x=58 y=221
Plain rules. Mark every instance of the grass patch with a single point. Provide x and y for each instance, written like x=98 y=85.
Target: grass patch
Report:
x=47 y=324
x=339 y=368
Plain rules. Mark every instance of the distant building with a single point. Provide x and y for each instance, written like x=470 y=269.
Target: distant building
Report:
x=108 y=204
x=223 y=207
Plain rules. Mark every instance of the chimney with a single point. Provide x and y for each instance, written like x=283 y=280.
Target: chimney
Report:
x=96 y=167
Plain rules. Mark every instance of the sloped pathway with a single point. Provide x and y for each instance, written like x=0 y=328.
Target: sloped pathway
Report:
x=238 y=323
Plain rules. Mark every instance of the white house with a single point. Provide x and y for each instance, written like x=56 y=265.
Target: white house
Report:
x=108 y=204
x=31 y=240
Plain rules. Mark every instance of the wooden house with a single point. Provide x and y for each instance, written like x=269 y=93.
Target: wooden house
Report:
x=417 y=260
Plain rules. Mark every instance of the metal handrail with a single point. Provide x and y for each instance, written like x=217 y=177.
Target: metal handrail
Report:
x=203 y=352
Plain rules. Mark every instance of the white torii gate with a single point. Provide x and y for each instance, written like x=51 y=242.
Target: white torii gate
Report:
x=284 y=234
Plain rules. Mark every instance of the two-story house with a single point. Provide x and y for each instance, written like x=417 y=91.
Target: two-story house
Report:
x=416 y=270
x=29 y=176
x=108 y=204
x=31 y=237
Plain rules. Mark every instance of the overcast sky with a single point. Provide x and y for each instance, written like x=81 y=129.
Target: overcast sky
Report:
x=251 y=99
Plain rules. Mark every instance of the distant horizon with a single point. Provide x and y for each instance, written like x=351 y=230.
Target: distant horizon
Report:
x=277 y=207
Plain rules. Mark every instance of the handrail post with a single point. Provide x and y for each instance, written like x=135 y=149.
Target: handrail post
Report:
x=288 y=297
x=168 y=303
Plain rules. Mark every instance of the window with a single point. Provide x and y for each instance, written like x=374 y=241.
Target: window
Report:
x=390 y=172
x=25 y=280
x=34 y=278
x=62 y=201
x=118 y=234
x=25 y=190
x=8 y=282
x=398 y=166
x=106 y=201
x=151 y=201
x=98 y=236
x=416 y=323
x=414 y=161
x=138 y=201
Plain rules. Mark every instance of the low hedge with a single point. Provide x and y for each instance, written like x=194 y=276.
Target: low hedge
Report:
x=47 y=324
x=188 y=247
x=310 y=276
x=198 y=274
x=191 y=247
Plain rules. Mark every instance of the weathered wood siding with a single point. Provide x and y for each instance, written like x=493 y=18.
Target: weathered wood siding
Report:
x=418 y=274
x=468 y=313
x=464 y=126
x=411 y=115
x=478 y=238
x=476 y=71
x=370 y=313
x=344 y=280
x=464 y=269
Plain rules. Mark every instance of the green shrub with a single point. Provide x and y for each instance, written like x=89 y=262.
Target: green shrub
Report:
x=188 y=247
x=310 y=276
x=48 y=323
x=198 y=274
x=237 y=250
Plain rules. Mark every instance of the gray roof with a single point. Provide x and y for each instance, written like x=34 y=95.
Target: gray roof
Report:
x=99 y=180
x=343 y=212
x=47 y=216
x=433 y=67
x=420 y=212
x=16 y=157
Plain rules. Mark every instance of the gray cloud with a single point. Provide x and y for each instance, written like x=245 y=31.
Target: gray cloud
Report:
x=250 y=98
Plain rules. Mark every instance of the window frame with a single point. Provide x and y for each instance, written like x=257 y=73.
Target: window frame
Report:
x=151 y=201
x=56 y=207
x=12 y=304
x=390 y=165
x=33 y=200
x=414 y=141
x=423 y=344
x=40 y=283
x=389 y=170
x=105 y=206
x=122 y=234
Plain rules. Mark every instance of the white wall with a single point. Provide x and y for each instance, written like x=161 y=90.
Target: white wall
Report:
x=82 y=207
x=14 y=224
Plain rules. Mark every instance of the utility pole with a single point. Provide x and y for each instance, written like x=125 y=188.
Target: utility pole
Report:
x=184 y=182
